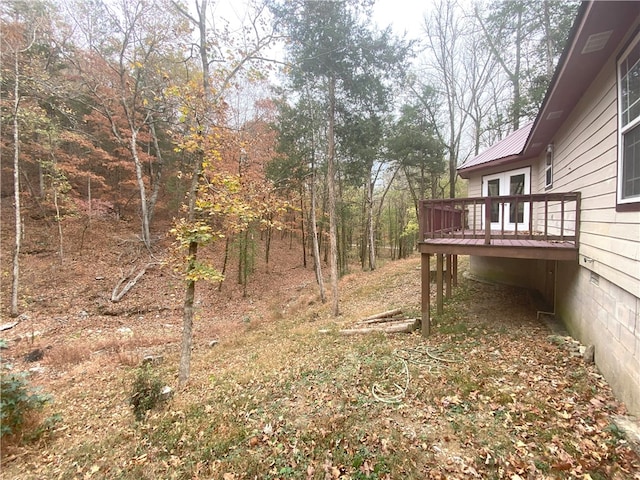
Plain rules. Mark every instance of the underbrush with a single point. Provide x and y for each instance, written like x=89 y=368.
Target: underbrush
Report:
x=21 y=411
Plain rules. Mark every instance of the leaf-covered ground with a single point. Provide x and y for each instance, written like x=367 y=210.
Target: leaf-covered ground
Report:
x=491 y=394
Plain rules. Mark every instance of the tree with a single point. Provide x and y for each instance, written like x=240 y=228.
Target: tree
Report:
x=200 y=140
x=333 y=53
x=23 y=26
x=124 y=75
x=416 y=148
x=452 y=79
x=363 y=140
x=526 y=39
x=296 y=166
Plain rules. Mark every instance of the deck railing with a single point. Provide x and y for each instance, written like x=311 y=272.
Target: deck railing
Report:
x=544 y=216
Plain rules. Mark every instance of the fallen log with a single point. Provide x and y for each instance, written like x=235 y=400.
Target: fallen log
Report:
x=388 y=313
x=7 y=326
x=405 y=326
x=374 y=321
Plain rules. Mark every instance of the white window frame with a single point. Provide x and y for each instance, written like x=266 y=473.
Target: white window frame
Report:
x=505 y=184
x=624 y=129
x=548 y=168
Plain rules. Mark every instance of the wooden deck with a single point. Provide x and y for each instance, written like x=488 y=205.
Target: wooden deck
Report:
x=547 y=228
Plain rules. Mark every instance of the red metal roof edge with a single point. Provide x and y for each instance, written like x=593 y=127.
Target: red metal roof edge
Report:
x=503 y=151
x=467 y=171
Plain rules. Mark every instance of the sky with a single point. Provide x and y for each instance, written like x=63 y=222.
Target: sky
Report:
x=402 y=15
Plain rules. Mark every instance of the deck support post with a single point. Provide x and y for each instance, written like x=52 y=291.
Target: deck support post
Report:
x=454 y=272
x=449 y=275
x=425 y=265
x=439 y=281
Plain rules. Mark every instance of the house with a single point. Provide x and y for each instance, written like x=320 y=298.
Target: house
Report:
x=555 y=206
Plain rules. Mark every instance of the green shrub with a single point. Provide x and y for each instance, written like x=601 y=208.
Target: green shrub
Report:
x=146 y=393
x=19 y=405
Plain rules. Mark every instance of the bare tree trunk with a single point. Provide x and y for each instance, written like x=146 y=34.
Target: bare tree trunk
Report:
x=364 y=241
x=453 y=173
x=184 y=370
x=304 y=238
x=331 y=184
x=372 y=230
x=187 y=322
x=89 y=199
x=517 y=101
x=189 y=296
x=227 y=242
x=155 y=188
x=146 y=235
x=267 y=246
x=546 y=23
x=41 y=179
x=317 y=262
x=16 y=192
x=59 y=222
x=384 y=195
x=314 y=237
x=513 y=74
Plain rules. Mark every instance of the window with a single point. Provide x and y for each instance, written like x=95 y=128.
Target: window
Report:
x=493 y=191
x=629 y=125
x=548 y=168
x=516 y=183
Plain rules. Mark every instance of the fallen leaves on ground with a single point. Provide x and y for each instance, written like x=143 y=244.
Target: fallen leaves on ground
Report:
x=491 y=394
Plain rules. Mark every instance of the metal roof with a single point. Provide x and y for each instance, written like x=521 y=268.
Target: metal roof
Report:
x=511 y=145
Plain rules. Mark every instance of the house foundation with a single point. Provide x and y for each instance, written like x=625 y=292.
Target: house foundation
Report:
x=597 y=312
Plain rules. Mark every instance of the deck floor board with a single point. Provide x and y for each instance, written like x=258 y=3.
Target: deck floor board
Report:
x=502 y=246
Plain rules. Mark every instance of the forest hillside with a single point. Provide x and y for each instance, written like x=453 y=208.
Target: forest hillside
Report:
x=189 y=223
x=277 y=390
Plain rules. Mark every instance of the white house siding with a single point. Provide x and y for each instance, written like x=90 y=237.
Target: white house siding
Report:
x=599 y=297
x=586 y=161
x=474 y=187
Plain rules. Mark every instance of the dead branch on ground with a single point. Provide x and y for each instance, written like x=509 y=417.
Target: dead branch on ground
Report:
x=116 y=295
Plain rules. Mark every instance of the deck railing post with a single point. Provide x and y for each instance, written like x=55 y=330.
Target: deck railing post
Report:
x=487 y=220
x=443 y=218
x=464 y=217
x=502 y=205
x=422 y=220
x=530 y=216
x=546 y=218
x=516 y=214
x=475 y=218
x=432 y=219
